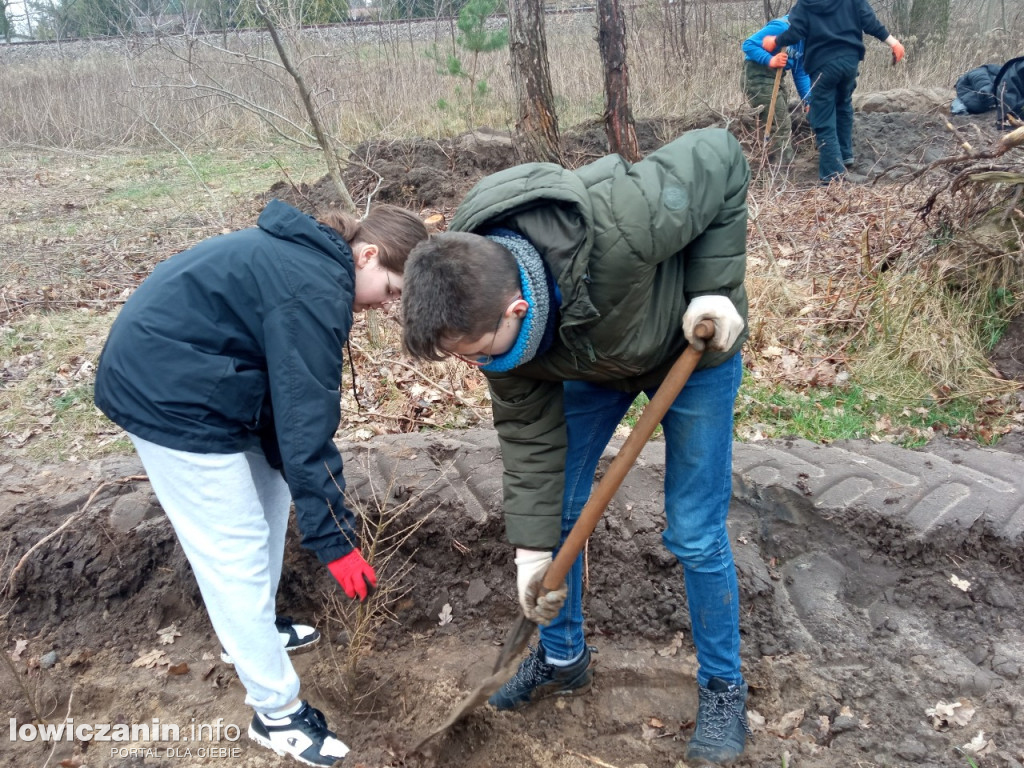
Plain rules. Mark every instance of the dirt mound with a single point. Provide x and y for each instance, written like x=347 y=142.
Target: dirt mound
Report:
x=437 y=173
x=846 y=642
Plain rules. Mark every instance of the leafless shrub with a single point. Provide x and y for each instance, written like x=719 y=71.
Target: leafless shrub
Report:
x=390 y=518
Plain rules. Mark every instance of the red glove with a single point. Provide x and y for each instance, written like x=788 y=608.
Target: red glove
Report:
x=898 y=51
x=768 y=43
x=355 y=575
x=778 y=61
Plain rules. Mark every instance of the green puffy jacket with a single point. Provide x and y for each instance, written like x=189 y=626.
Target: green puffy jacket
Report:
x=629 y=246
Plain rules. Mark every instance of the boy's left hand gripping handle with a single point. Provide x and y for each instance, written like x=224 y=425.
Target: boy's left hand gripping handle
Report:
x=720 y=314
x=355 y=575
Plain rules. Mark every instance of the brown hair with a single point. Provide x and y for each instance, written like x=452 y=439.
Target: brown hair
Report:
x=455 y=286
x=395 y=231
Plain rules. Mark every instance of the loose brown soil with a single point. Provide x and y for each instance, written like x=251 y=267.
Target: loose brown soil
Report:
x=847 y=641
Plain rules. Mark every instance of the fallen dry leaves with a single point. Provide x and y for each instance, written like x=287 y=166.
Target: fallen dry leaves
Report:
x=946 y=715
x=152 y=659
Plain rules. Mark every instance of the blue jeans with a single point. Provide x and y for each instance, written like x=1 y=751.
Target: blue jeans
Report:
x=698 y=488
x=831 y=114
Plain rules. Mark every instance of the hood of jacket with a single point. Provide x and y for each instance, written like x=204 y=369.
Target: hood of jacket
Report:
x=292 y=225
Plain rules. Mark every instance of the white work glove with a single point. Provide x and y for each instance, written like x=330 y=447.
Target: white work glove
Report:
x=719 y=310
x=531 y=565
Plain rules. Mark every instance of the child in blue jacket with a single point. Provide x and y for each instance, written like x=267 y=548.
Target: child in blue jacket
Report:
x=759 y=68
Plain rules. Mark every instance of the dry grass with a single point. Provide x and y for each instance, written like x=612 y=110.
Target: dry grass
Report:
x=858 y=285
x=377 y=82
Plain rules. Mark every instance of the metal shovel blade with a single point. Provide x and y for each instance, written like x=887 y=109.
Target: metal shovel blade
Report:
x=515 y=642
x=504 y=668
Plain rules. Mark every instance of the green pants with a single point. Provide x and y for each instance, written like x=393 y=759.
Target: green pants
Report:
x=758 y=83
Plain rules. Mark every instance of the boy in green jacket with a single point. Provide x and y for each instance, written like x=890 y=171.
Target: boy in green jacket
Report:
x=574 y=291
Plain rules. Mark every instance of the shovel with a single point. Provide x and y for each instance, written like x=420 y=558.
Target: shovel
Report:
x=523 y=629
x=775 y=98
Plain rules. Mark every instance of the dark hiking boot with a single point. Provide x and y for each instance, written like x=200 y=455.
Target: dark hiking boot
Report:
x=536 y=679
x=721 y=732
x=303 y=735
x=296 y=638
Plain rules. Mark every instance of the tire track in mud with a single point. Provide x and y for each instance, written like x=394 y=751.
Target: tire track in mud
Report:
x=866 y=543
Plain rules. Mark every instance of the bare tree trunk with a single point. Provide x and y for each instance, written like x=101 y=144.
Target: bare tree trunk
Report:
x=322 y=138
x=673 y=14
x=900 y=12
x=683 y=28
x=536 y=136
x=618 y=119
x=773 y=9
x=6 y=21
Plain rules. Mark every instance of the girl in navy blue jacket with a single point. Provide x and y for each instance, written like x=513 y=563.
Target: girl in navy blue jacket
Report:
x=224 y=367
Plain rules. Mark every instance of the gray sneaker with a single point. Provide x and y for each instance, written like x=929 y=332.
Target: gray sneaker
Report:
x=536 y=678
x=721 y=733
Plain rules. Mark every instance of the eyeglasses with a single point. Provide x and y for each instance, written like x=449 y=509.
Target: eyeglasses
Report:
x=479 y=361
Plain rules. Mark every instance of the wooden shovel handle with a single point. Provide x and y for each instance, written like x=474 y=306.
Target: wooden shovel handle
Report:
x=775 y=98
x=649 y=419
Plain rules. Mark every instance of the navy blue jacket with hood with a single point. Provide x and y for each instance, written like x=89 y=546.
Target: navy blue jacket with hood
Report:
x=235 y=345
x=831 y=29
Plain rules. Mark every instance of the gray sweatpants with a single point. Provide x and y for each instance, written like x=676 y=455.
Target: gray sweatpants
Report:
x=230 y=512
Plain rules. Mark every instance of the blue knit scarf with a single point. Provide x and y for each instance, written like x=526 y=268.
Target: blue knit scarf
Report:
x=535 y=330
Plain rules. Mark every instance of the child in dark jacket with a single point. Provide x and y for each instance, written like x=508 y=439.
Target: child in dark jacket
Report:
x=574 y=291
x=224 y=367
x=759 y=72
x=833 y=36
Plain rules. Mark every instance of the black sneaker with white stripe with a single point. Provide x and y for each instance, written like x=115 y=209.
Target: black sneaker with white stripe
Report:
x=296 y=638
x=303 y=735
